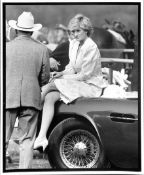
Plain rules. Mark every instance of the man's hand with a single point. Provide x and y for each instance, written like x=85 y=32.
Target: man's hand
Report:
x=54 y=64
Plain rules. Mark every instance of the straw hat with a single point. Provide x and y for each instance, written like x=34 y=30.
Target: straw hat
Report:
x=25 y=22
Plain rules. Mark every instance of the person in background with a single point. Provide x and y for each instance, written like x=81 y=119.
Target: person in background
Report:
x=59 y=58
x=51 y=37
x=10 y=33
x=61 y=33
x=82 y=77
x=41 y=35
x=27 y=69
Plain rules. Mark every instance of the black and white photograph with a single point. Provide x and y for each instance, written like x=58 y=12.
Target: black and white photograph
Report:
x=71 y=87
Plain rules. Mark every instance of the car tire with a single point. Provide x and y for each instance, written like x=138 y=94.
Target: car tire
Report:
x=74 y=143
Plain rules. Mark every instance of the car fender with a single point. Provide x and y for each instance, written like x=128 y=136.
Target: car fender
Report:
x=79 y=116
x=93 y=124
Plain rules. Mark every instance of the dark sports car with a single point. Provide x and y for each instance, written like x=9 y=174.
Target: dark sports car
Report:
x=96 y=133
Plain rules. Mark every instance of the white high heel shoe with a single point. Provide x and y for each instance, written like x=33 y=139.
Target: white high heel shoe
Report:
x=41 y=143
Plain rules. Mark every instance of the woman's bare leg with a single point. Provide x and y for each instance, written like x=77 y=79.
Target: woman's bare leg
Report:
x=48 y=112
x=46 y=89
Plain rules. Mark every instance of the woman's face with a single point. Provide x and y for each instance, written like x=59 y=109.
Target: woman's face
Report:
x=78 y=33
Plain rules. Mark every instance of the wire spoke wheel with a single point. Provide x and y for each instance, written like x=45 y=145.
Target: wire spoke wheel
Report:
x=75 y=144
x=79 y=149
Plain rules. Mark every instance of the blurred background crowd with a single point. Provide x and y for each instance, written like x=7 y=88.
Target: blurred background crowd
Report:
x=54 y=18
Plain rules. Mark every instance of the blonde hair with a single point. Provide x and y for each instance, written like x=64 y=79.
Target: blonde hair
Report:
x=83 y=22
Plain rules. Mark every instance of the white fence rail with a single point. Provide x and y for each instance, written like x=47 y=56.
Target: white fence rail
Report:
x=126 y=60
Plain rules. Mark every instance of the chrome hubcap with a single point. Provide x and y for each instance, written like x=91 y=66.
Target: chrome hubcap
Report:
x=80 y=149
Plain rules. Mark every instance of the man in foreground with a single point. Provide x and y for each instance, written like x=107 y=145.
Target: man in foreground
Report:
x=27 y=68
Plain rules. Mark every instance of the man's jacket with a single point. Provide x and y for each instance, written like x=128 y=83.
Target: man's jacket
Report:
x=27 y=69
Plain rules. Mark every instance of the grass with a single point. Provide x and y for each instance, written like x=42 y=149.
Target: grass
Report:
x=40 y=160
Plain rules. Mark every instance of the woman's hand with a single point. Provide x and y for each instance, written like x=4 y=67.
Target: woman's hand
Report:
x=56 y=74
